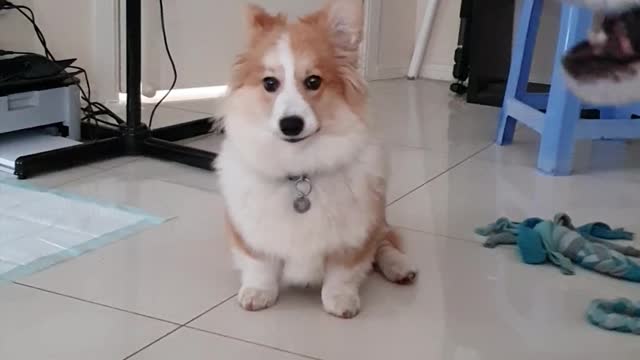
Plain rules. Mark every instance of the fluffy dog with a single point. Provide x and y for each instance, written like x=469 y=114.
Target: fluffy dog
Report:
x=303 y=182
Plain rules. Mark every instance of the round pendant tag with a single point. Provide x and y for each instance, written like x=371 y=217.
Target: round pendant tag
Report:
x=302 y=205
x=303 y=186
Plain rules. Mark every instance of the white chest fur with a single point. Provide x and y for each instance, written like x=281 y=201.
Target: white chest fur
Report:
x=340 y=217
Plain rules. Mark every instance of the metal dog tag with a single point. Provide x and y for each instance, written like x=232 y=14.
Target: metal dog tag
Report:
x=302 y=204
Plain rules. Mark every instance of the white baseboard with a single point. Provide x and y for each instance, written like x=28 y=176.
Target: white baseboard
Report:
x=388 y=72
x=437 y=72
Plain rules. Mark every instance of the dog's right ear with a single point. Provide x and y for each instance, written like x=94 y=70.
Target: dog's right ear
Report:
x=259 y=20
x=346 y=22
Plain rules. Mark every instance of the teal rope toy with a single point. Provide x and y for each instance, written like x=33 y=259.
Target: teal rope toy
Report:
x=593 y=246
x=619 y=315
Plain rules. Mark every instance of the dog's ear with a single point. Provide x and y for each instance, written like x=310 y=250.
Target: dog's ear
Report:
x=259 y=20
x=345 y=19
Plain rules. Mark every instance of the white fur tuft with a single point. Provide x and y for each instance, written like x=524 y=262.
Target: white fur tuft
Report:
x=606 y=5
x=606 y=91
x=346 y=19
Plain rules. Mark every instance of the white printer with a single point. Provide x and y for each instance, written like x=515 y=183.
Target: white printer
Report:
x=35 y=97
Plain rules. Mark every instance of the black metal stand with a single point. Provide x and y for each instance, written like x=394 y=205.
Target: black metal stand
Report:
x=461 y=55
x=134 y=138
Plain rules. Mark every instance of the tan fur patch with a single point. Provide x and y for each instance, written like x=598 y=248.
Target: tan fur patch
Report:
x=394 y=239
x=264 y=32
x=236 y=240
x=260 y=21
x=312 y=41
x=377 y=233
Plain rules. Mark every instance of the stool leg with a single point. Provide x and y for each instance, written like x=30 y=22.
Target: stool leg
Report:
x=521 y=59
x=557 y=138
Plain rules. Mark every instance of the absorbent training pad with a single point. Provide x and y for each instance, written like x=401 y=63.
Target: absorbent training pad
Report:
x=40 y=228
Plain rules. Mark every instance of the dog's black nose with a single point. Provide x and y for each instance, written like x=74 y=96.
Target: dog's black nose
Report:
x=291 y=125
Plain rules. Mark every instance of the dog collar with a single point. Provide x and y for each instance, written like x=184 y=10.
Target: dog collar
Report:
x=303 y=187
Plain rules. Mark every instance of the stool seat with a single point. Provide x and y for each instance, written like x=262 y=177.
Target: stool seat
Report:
x=556 y=115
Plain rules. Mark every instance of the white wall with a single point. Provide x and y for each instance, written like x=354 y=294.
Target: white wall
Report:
x=438 y=62
x=392 y=36
x=69 y=27
x=397 y=34
x=206 y=35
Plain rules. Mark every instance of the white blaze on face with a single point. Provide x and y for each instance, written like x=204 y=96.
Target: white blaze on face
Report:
x=281 y=64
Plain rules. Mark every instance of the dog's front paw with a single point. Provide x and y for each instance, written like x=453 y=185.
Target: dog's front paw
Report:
x=252 y=299
x=399 y=272
x=344 y=305
x=396 y=267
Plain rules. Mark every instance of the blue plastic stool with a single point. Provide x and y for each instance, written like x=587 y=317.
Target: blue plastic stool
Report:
x=559 y=127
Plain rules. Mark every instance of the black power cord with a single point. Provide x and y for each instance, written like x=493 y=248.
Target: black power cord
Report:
x=92 y=110
x=32 y=19
x=173 y=64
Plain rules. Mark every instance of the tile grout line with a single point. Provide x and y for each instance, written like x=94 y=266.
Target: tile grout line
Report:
x=253 y=343
x=210 y=309
x=440 y=174
x=186 y=325
x=180 y=326
x=95 y=303
x=153 y=342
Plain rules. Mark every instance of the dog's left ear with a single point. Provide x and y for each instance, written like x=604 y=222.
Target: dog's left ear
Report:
x=259 y=20
x=346 y=21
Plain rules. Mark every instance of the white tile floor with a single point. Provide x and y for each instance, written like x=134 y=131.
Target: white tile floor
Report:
x=168 y=293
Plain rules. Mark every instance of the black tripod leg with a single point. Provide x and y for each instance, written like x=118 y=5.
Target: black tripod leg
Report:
x=183 y=154
x=30 y=165
x=185 y=130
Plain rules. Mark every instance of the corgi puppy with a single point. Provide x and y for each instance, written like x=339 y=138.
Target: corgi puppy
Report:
x=605 y=70
x=303 y=182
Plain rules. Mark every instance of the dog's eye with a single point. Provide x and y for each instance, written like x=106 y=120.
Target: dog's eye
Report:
x=313 y=82
x=271 y=84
